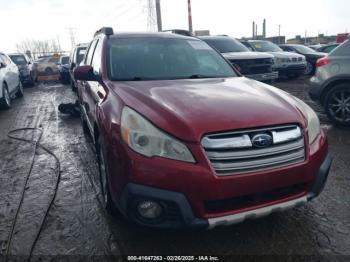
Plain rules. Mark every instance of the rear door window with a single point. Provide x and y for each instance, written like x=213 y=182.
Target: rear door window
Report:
x=343 y=50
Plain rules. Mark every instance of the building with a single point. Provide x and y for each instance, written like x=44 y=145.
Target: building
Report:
x=320 y=39
x=278 y=40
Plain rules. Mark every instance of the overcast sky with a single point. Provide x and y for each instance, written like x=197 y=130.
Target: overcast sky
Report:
x=51 y=19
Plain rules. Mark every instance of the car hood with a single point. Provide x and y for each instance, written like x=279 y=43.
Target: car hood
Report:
x=188 y=109
x=246 y=55
x=317 y=55
x=283 y=54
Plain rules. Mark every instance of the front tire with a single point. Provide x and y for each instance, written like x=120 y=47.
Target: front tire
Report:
x=5 y=101
x=337 y=104
x=20 y=92
x=106 y=196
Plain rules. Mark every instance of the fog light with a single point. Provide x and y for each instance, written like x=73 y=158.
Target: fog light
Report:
x=149 y=209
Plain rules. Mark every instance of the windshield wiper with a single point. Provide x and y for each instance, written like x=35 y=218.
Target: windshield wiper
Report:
x=201 y=76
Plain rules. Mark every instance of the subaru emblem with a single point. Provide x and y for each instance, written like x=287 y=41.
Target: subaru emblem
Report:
x=262 y=140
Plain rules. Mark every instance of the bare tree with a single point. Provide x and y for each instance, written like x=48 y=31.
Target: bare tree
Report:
x=38 y=47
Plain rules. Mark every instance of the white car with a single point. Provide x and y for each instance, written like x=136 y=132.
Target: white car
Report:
x=10 y=84
x=289 y=64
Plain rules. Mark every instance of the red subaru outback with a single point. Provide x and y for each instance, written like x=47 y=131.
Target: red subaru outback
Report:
x=183 y=140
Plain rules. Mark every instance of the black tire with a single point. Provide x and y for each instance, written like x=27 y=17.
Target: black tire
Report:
x=5 y=101
x=337 y=104
x=83 y=122
x=20 y=92
x=74 y=89
x=107 y=201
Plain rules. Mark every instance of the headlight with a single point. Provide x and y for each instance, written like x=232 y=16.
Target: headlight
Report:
x=144 y=138
x=313 y=125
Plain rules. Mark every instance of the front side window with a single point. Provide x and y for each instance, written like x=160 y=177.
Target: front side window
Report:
x=90 y=53
x=96 y=60
x=226 y=45
x=18 y=59
x=80 y=54
x=304 y=49
x=265 y=46
x=164 y=59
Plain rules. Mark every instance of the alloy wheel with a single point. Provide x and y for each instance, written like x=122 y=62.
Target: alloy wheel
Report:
x=339 y=106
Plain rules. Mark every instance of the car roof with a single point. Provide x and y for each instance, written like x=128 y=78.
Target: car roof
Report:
x=150 y=35
x=215 y=37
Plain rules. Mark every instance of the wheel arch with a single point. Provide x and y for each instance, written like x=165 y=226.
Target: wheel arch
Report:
x=331 y=84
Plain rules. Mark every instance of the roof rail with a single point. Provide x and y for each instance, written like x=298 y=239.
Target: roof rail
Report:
x=104 y=30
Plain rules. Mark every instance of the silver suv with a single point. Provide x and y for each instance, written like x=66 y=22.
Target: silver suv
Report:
x=331 y=84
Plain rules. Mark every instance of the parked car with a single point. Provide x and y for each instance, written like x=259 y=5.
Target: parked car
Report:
x=47 y=66
x=10 y=84
x=183 y=140
x=25 y=66
x=253 y=65
x=311 y=56
x=327 y=48
x=179 y=32
x=315 y=47
x=77 y=55
x=289 y=64
x=63 y=67
x=331 y=84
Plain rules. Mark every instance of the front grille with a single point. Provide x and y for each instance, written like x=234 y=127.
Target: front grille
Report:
x=253 y=66
x=234 y=153
x=300 y=59
x=215 y=206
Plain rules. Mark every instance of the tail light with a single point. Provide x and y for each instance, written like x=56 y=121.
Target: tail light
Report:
x=323 y=61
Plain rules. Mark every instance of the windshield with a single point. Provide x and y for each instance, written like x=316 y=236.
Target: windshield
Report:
x=18 y=59
x=265 y=46
x=164 y=59
x=80 y=54
x=65 y=60
x=226 y=45
x=304 y=49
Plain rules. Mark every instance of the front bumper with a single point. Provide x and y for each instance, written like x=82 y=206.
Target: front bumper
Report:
x=264 y=77
x=315 y=88
x=181 y=215
x=25 y=78
x=291 y=69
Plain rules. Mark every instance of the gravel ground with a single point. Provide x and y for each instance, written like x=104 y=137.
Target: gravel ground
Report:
x=78 y=225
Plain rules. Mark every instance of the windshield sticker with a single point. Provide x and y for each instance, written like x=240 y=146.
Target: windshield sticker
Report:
x=199 y=45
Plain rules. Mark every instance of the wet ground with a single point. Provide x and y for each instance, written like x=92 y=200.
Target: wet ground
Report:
x=78 y=225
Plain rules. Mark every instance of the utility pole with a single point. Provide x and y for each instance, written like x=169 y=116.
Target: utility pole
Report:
x=253 y=30
x=71 y=32
x=264 y=29
x=159 y=16
x=279 y=34
x=190 y=27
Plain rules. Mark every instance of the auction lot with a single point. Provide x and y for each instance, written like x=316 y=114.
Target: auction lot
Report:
x=78 y=225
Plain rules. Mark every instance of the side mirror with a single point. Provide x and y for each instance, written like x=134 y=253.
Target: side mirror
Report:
x=84 y=73
x=2 y=65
